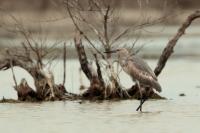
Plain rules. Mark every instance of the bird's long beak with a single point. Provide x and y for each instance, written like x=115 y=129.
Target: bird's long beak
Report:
x=112 y=51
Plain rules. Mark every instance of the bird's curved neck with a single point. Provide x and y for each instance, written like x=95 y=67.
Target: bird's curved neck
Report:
x=123 y=60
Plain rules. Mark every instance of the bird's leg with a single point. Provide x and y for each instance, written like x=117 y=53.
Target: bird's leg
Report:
x=140 y=106
x=144 y=98
x=141 y=97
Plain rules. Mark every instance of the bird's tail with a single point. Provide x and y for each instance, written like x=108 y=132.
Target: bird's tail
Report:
x=157 y=87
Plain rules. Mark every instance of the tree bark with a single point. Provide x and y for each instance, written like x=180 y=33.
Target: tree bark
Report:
x=82 y=56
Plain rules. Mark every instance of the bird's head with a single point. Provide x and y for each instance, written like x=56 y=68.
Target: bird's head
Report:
x=121 y=52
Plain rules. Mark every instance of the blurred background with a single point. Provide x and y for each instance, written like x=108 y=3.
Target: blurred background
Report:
x=43 y=5
x=50 y=18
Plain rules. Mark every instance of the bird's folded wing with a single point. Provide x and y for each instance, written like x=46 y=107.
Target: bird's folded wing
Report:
x=142 y=66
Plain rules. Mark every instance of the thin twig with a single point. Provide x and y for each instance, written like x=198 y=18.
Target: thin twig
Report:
x=64 y=63
x=13 y=74
x=120 y=36
x=78 y=28
x=106 y=25
x=92 y=27
x=11 y=64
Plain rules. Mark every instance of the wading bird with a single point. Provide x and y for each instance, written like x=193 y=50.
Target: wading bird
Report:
x=139 y=71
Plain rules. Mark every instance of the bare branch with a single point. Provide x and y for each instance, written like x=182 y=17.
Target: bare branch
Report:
x=120 y=36
x=78 y=28
x=134 y=43
x=64 y=63
x=149 y=22
x=106 y=25
x=97 y=5
x=168 y=50
x=95 y=30
x=11 y=65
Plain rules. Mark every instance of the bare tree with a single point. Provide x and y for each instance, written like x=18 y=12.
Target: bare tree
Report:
x=30 y=56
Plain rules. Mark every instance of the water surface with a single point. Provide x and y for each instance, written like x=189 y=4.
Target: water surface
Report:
x=177 y=114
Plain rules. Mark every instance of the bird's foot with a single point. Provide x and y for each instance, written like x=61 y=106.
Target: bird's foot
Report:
x=139 y=108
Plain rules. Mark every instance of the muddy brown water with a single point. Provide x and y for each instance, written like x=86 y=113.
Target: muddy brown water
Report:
x=174 y=115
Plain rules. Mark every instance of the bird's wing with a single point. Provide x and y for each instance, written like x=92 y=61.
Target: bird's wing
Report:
x=142 y=66
x=139 y=69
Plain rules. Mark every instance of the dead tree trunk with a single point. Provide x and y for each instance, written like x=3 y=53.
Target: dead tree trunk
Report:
x=82 y=57
x=96 y=85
